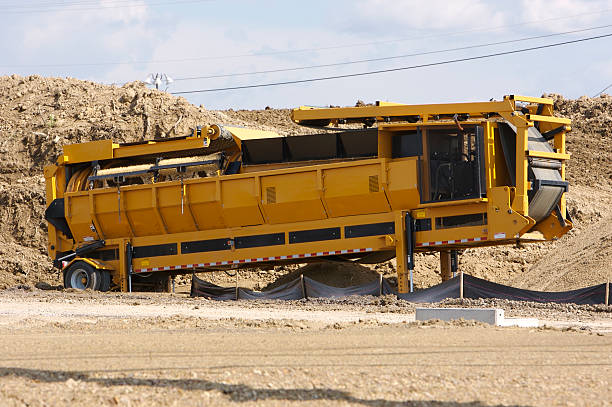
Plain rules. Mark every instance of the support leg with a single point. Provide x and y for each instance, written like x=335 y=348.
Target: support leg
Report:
x=454 y=262
x=128 y=256
x=400 y=255
x=445 y=265
x=125 y=263
x=404 y=251
x=169 y=283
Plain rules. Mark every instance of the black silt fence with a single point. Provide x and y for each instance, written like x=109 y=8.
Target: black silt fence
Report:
x=473 y=288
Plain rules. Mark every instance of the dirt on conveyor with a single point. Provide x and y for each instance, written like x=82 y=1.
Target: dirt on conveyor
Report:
x=38 y=115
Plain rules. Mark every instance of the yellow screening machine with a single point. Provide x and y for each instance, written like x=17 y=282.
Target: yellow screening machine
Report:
x=440 y=177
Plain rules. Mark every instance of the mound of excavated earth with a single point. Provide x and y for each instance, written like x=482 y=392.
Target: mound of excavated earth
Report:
x=38 y=115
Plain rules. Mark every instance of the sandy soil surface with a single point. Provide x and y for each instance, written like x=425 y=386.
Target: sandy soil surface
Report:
x=57 y=306
x=162 y=350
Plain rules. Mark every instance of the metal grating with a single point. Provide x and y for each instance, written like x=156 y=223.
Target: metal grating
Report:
x=374 y=183
x=271 y=195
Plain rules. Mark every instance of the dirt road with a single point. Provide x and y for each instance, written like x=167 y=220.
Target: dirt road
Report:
x=394 y=365
x=147 y=350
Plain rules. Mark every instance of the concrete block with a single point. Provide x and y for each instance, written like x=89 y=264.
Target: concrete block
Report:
x=520 y=322
x=491 y=316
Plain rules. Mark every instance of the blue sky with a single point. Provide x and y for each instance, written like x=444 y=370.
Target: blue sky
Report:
x=115 y=41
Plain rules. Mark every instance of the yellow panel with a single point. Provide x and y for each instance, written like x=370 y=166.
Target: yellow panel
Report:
x=292 y=197
x=240 y=206
x=50 y=184
x=107 y=210
x=403 y=184
x=94 y=150
x=348 y=190
x=137 y=198
x=385 y=144
x=173 y=208
x=504 y=223
x=205 y=205
x=78 y=216
x=139 y=209
x=551 y=228
x=145 y=223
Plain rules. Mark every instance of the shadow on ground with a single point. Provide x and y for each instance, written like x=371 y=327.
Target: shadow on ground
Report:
x=235 y=392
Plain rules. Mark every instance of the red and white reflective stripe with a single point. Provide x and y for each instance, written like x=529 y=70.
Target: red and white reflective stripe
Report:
x=442 y=242
x=253 y=260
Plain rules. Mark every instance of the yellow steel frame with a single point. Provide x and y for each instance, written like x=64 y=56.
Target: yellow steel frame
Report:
x=281 y=198
x=305 y=113
x=107 y=150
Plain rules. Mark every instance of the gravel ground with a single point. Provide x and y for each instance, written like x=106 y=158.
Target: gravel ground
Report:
x=159 y=304
x=87 y=348
x=415 y=364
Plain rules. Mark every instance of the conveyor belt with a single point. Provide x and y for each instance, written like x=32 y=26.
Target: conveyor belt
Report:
x=547 y=184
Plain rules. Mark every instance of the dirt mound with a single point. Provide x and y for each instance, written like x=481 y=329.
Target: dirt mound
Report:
x=335 y=274
x=590 y=140
x=38 y=115
x=581 y=258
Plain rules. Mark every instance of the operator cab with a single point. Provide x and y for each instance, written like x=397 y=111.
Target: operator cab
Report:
x=451 y=161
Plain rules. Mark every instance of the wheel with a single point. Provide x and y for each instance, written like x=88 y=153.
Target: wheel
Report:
x=81 y=276
x=105 y=280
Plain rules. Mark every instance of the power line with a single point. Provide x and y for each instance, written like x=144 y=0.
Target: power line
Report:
x=261 y=85
x=334 y=47
x=359 y=61
x=602 y=91
x=294 y=51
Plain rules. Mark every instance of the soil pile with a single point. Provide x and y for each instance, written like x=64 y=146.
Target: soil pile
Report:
x=39 y=115
x=332 y=273
x=590 y=140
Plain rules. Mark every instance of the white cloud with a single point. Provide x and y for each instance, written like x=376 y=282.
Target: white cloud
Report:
x=564 y=15
x=92 y=22
x=393 y=15
x=79 y=37
x=130 y=12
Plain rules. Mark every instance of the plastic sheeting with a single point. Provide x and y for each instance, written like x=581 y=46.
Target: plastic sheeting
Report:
x=478 y=288
x=473 y=287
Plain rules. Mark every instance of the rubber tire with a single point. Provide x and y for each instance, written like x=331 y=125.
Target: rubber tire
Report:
x=80 y=269
x=105 y=280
